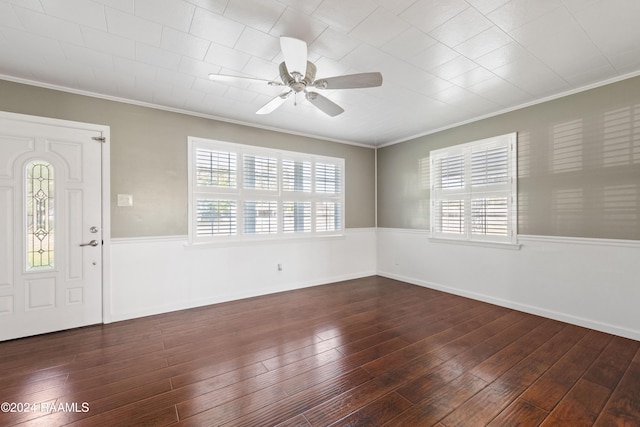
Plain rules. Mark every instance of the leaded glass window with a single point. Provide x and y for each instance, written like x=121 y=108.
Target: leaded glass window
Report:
x=40 y=186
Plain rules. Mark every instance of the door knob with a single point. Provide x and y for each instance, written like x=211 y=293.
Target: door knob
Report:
x=91 y=243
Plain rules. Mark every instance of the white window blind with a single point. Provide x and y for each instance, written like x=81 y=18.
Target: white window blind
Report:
x=215 y=217
x=260 y=217
x=260 y=172
x=215 y=168
x=296 y=217
x=242 y=192
x=474 y=191
x=296 y=175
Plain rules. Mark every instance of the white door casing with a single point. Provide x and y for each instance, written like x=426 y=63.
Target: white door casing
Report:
x=57 y=284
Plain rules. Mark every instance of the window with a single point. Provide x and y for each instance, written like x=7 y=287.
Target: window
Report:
x=241 y=191
x=40 y=215
x=473 y=190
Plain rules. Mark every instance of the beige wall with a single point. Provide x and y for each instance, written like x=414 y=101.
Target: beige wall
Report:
x=578 y=166
x=149 y=156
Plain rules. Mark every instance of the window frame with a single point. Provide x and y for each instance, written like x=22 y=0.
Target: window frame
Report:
x=243 y=196
x=468 y=192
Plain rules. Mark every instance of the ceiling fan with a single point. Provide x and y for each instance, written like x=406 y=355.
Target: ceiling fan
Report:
x=299 y=75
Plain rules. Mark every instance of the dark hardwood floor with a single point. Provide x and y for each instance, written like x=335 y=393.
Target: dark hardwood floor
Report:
x=366 y=352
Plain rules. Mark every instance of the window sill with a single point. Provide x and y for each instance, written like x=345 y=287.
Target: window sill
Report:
x=496 y=245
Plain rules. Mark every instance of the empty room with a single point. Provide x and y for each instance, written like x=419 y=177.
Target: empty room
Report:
x=319 y=213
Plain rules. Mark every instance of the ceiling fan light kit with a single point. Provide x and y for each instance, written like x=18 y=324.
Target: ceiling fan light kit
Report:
x=298 y=75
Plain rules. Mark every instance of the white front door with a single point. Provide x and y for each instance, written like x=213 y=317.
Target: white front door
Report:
x=50 y=225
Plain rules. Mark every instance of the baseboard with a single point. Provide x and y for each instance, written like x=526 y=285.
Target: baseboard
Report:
x=538 y=311
x=234 y=297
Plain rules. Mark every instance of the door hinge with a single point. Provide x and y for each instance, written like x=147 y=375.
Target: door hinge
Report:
x=99 y=138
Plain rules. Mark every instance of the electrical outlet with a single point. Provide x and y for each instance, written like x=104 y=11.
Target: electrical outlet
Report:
x=279 y=267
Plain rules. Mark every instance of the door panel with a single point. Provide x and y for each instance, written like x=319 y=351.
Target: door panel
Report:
x=50 y=204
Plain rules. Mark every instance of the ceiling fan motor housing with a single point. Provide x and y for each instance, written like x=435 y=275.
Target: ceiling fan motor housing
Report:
x=298 y=84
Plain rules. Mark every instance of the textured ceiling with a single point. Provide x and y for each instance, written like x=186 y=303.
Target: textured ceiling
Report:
x=443 y=61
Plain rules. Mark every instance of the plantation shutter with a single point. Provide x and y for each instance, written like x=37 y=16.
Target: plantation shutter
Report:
x=473 y=190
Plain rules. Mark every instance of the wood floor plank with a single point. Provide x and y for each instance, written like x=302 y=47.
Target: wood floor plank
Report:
x=369 y=351
x=300 y=402
x=612 y=362
x=441 y=402
x=623 y=408
x=519 y=413
x=376 y=413
x=485 y=405
x=580 y=406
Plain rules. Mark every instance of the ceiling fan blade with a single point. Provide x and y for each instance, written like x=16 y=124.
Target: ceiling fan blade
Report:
x=324 y=104
x=270 y=106
x=351 y=81
x=236 y=79
x=294 y=52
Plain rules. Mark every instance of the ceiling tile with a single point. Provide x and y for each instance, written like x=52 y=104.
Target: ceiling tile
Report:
x=49 y=26
x=461 y=27
x=613 y=32
x=215 y=6
x=226 y=57
x=197 y=68
x=500 y=91
x=506 y=54
x=293 y=23
x=259 y=14
x=209 y=87
x=262 y=69
x=452 y=69
x=365 y=58
x=89 y=13
x=396 y=6
x=587 y=76
x=553 y=51
x=174 y=78
x=183 y=43
x=108 y=43
x=29 y=4
x=8 y=17
x=486 y=6
x=26 y=44
x=473 y=77
x=82 y=55
x=409 y=44
x=306 y=7
x=156 y=56
x=123 y=5
x=545 y=27
x=129 y=67
x=333 y=44
x=379 y=27
x=483 y=43
x=625 y=61
x=532 y=76
x=132 y=27
x=238 y=94
x=433 y=56
x=259 y=44
x=172 y=13
x=214 y=27
x=430 y=14
x=344 y=16
x=578 y=5
x=516 y=13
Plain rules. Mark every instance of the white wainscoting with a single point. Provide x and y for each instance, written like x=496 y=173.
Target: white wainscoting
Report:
x=588 y=282
x=158 y=275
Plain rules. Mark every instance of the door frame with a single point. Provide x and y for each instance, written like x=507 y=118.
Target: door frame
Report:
x=105 y=189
